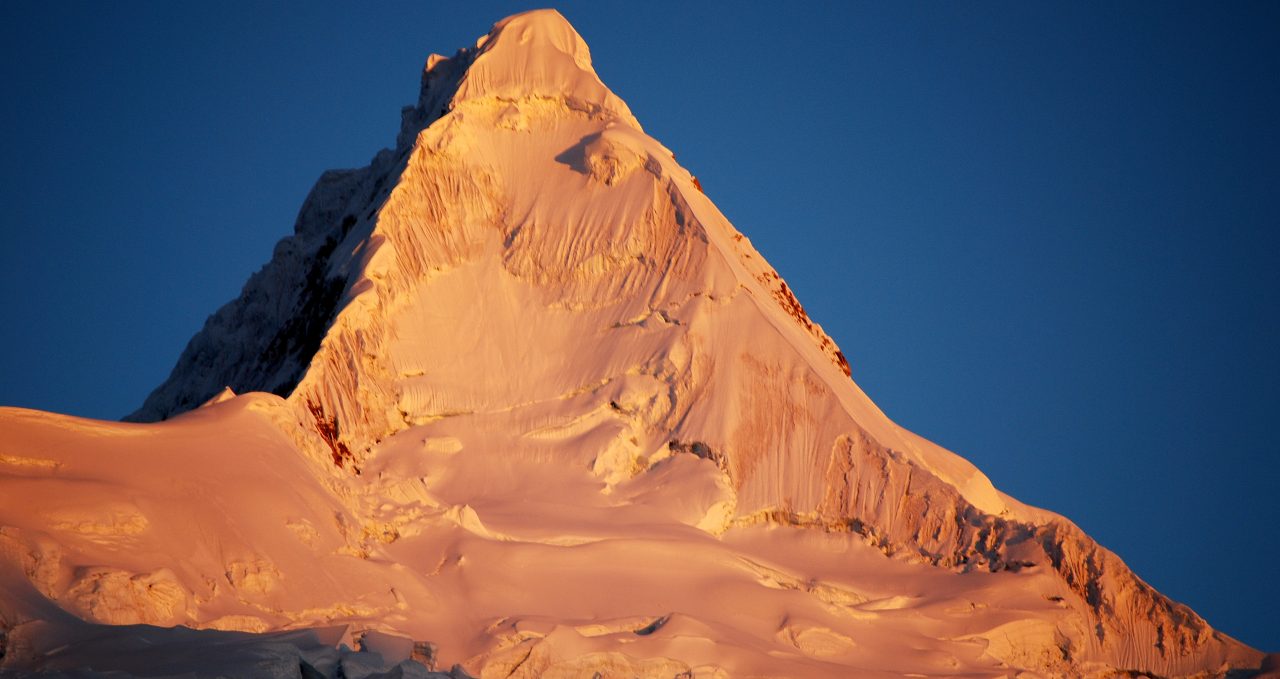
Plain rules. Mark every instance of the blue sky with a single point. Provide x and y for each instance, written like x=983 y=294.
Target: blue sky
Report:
x=1044 y=235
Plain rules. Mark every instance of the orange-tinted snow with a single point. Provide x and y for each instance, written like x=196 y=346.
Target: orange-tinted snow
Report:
x=565 y=420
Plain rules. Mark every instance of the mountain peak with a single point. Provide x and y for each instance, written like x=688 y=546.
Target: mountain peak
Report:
x=528 y=306
x=541 y=27
x=538 y=54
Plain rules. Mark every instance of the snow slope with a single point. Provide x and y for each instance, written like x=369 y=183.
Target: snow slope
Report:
x=531 y=400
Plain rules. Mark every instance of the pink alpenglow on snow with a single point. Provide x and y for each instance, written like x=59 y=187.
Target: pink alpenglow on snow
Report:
x=516 y=400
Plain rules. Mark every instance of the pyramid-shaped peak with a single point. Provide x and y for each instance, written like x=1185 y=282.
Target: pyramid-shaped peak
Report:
x=527 y=323
x=539 y=54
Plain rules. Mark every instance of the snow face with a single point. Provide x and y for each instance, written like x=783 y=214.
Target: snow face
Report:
x=536 y=402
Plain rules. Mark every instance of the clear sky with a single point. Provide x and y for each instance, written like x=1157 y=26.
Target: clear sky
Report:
x=1044 y=235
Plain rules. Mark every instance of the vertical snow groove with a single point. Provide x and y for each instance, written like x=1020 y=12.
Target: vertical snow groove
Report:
x=264 y=340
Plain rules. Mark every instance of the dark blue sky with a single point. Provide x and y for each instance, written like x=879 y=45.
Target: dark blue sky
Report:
x=1045 y=236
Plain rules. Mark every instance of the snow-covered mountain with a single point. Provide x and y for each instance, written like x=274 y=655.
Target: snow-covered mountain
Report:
x=517 y=397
